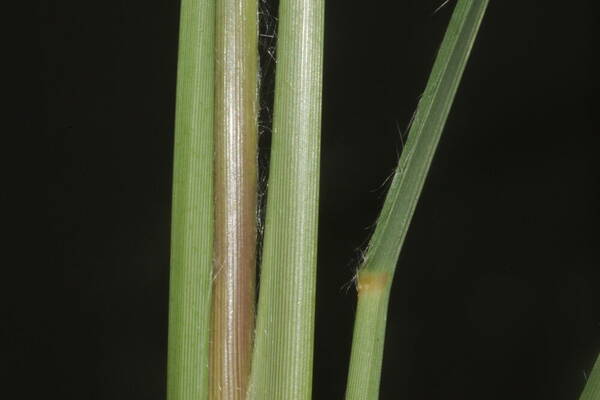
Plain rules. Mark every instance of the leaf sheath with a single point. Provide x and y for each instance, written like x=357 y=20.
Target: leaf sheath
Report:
x=283 y=353
x=192 y=207
x=236 y=71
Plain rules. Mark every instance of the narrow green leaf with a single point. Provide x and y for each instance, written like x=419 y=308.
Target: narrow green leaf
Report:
x=236 y=91
x=192 y=214
x=283 y=353
x=375 y=275
x=592 y=387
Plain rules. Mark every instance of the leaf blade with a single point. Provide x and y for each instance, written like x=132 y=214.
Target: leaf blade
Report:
x=591 y=391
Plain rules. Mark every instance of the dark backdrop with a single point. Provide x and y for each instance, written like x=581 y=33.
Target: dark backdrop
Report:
x=496 y=293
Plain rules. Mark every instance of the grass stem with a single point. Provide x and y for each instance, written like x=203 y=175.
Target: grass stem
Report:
x=374 y=277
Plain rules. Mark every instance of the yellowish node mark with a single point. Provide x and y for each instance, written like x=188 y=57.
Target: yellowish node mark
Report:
x=372 y=281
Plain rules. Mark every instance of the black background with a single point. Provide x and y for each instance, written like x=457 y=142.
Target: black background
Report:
x=496 y=293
